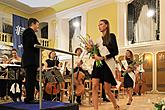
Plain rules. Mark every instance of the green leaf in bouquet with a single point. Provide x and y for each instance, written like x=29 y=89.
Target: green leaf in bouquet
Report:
x=158 y=106
x=124 y=73
x=99 y=63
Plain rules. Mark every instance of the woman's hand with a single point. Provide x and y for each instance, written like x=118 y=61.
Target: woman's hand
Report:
x=80 y=63
x=96 y=57
x=129 y=69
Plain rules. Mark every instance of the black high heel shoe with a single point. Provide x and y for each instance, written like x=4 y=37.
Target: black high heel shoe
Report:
x=116 y=107
x=130 y=101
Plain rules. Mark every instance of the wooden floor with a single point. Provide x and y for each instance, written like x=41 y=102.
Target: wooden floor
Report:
x=144 y=102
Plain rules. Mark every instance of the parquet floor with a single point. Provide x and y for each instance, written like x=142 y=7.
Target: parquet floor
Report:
x=144 y=102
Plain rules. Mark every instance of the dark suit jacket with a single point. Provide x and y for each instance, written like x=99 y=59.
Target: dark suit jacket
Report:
x=30 y=55
x=111 y=46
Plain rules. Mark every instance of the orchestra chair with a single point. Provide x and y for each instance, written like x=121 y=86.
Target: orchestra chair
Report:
x=64 y=90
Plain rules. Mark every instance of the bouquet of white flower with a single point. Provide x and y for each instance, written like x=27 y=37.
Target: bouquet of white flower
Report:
x=135 y=63
x=90 y=47
x=160 y=105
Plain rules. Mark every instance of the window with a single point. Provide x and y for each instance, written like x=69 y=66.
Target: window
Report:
x=7 y=28
x=143 y=21
x=44 y=30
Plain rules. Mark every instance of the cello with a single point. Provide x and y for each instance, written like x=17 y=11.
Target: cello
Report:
x=140 y=84
x=78 y=83
x=79 y=77
x=52 y=87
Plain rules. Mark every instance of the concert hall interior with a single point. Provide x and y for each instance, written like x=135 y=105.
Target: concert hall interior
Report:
x=78 y=66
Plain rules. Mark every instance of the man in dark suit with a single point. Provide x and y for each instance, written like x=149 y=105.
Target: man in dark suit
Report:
x=30 y=58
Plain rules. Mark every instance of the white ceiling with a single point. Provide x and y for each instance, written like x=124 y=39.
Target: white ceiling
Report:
x=30 y=6
x=39 y=3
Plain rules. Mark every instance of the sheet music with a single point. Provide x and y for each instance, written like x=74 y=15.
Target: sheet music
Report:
x=11 y=65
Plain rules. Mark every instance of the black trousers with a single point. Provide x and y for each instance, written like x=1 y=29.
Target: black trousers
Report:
x=31 y=82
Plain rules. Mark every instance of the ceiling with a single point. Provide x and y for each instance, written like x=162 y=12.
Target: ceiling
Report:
x=59 y=3
x=27 y=8
x=40 y=3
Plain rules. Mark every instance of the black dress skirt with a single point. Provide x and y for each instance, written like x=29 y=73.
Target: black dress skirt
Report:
x=128 y=82
x=103 y=73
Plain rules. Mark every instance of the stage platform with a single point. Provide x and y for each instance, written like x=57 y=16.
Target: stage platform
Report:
x=46 y=105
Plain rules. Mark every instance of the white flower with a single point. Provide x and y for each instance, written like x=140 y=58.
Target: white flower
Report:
x=163 y=107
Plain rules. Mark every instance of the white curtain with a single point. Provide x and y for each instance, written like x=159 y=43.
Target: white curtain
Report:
x=76 y=40
x=145 y=28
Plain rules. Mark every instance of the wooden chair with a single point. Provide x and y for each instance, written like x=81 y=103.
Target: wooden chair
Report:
x=64 y=90
x=88 y=91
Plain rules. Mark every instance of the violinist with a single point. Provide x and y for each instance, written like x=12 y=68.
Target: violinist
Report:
x=15 y=59
x=3 y=72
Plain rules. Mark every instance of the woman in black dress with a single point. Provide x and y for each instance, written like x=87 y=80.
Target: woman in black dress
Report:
x=104 y=73
x=129 y=76
x=51 y=62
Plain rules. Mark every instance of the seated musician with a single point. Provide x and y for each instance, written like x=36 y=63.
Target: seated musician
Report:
x=87 y=69
x=140 y=83
x=15 y=59
x=3 y=71
x=78 y=60
x=83 y=63
x=77 y=69
x=49 y=63
x=5 y=59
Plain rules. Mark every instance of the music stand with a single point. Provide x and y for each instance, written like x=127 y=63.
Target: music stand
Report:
x=14 y=67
